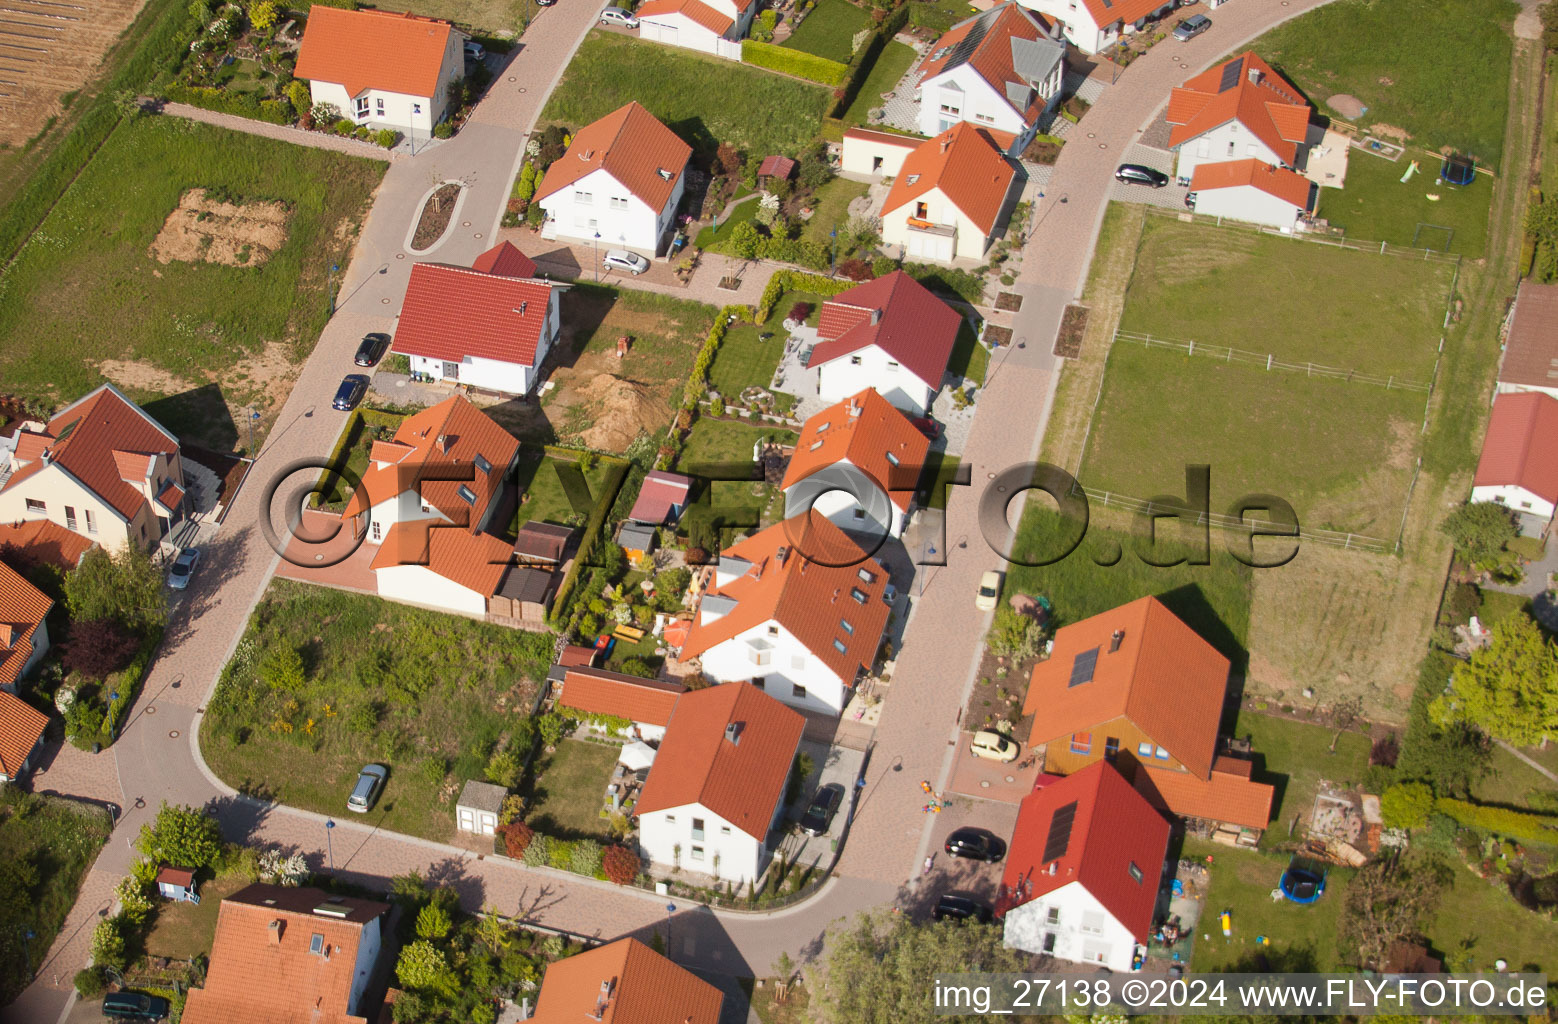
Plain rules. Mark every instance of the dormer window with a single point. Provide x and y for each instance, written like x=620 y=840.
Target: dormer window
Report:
x=858 y=594
x=892 y=460
x=482 y=465
x=467 y=495
x=867 y=576
x=838 y=645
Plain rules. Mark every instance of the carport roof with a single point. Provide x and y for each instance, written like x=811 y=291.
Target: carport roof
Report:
x=1531 y=349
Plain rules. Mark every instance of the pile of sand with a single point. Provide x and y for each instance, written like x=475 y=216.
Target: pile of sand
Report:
x=623 y=409
x=1347 y=106
x=204 y=230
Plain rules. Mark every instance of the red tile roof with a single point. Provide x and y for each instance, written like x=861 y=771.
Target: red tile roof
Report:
x=661 y=491
x=966 y=164
x=99 y=439
x=1531 y=347
x=1112 y=829
x=175 y=876
x=1274 y=181
x=22 y=608
x=1227 y=794
x=261 y=975
x=1269 y=106
x=629 y=983
x=696 y=11
x=1105 y=13
x=20 y=726
x=809 y=598
x=46 y=540
x=862 y=430
x=476 y=561
x=776 y=167
x=632 y=146
x=367 y=49
x=454 y=312
x=574 y=655
x=648 y=701
x=991 y=57
x=1164 y=678
x=467 y=433
x=1521 y=447
x=742 y=782
x=911 y=325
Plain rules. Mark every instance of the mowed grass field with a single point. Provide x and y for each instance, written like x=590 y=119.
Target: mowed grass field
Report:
x=1439 y=69
x=890 y=67
x=1377 y=206
x=86 y=289
x=703 y=99
x=829 y=30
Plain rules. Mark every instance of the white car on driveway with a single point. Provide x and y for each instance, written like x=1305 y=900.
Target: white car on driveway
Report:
x=183 y=568
x=989 y=591
x=617 y=16
x=621 y=259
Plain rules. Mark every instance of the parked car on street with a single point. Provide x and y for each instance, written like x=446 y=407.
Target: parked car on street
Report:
x=183 y=568
x=369 y=781
x=621 y=259
x=617 y=16
x=819 y=813
x=350 y=392
x=372 y=348
x=475 y=51
x=975 y=844
x=960 y=907
x=1192 y=27
x=992 y=746
x=1138 y=174
x=134 y=1006
x=989 y=591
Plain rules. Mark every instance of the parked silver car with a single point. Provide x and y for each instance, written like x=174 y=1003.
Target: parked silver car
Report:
x=621 y=259
x=617 y=16
x=1192 y=27
x=369 y=781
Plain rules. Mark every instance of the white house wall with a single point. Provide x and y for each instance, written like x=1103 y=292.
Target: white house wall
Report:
x=789 y=664
x=1231 y=141
x=1507 y=388
x=57 y=489
x=977 y=103
x=861 y=156
x=598 y=203
x=741 y=857
x=1075 y=20
x=677 y=29
x=838 y=379
x=1084 y=931
x=417 y=584
x=969 y=241
x=1517 y=498
x=847 y=497
x=368 y=946
x=1247 y=203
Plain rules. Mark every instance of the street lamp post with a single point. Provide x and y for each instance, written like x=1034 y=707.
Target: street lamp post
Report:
x=329 y=847
x=597 y=257
x=930 y=552
x=670 y=908
x=333 y=269
x=113 y=699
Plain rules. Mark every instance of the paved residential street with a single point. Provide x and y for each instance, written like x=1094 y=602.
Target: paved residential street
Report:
x=158 y=758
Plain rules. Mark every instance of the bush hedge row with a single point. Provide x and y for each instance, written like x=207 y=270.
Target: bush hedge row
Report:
x=698 y=381
x=796 y=280
x=129 y=686
x=792 y=62
x=592 y=530
x=1528 y=828
x=239 y=104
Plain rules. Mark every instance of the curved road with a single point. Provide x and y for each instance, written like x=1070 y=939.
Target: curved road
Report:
x=158 y=756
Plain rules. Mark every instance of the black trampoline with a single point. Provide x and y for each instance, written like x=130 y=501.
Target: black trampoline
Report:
x=1458 y=170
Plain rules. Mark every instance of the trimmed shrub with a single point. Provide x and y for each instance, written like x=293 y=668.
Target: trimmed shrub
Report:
x=1406 y=805
x=516 y=838
x=620 y=864
x=792 y=62
x=442 y=130
x=387 y=137
x=1530 y=828
x=538 y=852
x=584 y=857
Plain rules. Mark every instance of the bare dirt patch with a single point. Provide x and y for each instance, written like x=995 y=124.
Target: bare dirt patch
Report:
x=622 y=410
x=1073 y=326
x=436 y=214
x=54 y=48
x=207 y=229
x=133 y=376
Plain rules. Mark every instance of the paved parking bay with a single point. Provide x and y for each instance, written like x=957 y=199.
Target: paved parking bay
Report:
x=833 y=764
x=956 y=874
x=1171 y=196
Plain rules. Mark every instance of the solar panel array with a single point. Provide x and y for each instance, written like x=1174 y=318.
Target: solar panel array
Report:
x=1059 y=837
x=1232 y=72
x=1082 y=668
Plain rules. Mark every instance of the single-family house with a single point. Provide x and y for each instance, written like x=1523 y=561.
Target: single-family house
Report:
x=1254 y=191
x=890 y=334
x=618 y=185
x=1239 y=110
x=880 y=154
x=1530 y=360
x=797 y=610
x=489 y=325
x=950 y=196
x=102 y=468
x=646 y=704
x=1000 y=70
x=716 y=789
x=708 y=26
x=285 y=953
x=177 y=884
x=382 y=69
x=1137 y=687
x=1094 y=25
x=662 y=499
x=625 y=982
x=479 y=807
x=1519 y=463
x=858 y=463
x=21 y=735
x=1082 y=873
x=24 y=635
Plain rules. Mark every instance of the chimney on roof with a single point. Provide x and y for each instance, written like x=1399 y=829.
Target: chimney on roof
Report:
x=781 y=554
x=443 y=443
x=1115 y=640
x=47 y=455
x=946 y=144
x=524 y=304
x=5 y=636
x=1256 y=76
x=876 y=316
x=273 y=933
x=854 y=408
x=733 y=733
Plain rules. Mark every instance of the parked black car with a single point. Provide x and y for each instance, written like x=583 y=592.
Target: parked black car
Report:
x=134 y=1006
x=819 y=814
x=1140 y=174
x=372 y=348
x=350 y=392
x=960 y=907
x=975 y=844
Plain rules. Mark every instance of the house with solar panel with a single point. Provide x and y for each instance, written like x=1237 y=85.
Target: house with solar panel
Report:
x=1001 y=70
x=1239 y=110
x=489 y=325
x=1094 y=25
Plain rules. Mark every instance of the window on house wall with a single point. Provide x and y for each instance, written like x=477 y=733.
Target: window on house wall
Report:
x=797 y=691
x=773 y=630
x=70 y=518
x=697 y=853
x=854 y=360
x=618 y=203
x=584 y=198
x=1049 y=942
x=1144 y=749
x=362 y=107
x=697 y=828
x=416 y=108
x=1161 y=754
x=761 y=682
x=91 y=521
x=1052 y=915
x=1111 y=747
x=1081 y=743
x=921 y=211
x=860 y=513
x=378 y=107
x=670 y=819
x=985 y=118
x=378 y=530
x=724 y=830
x=34 y=505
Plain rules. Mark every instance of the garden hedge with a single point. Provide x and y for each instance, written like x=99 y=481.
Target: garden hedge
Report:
x=592 y=529
x=792 y=62
x=129 y=685
x=1528 y=828
x=698 y=381
x=239 y=104
x=795 y=280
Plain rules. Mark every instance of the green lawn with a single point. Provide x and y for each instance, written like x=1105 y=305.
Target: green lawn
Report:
x=1302 y=938
x=1437 y=68
x=47 y=845
x=705 y=100
x=569 y=788
x=1220 y=286
x=745 y=359
x=1214 y=599
x=1480 y=920
x=489 y=17
x=890 y=67
x=829 y=30
x=722 y=441
x=1377 y=207
x=1512 y=782
x=742 y=213
x=830 y=206
x=1160 y=411
x=939 y=15
x=86 y=289
x=183 y=930
x=548 y=503
x=969 y=358
x=1294 y=757
x=425 y=693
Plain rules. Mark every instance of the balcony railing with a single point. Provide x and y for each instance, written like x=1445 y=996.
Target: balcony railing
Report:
x=931 y=228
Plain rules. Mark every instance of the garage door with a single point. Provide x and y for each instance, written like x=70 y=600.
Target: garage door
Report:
x=658 y=32
x=930 y=247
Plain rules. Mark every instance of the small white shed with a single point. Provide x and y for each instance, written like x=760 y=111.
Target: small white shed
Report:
x=479 y=807
x=177 y=884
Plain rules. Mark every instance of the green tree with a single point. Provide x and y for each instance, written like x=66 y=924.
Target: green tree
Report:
x=1542 y=224
x=744 y=240
x=423 y=967
x=433 y=922
x=182 y=836
x=873 y=969
x=108 y=945
x=504 y=767
x=551 y=727
x=301 y=99
x=493 y=931
x=1481 y=529
x=125 y=587
x=262 y=14
x=1509 y=689
x=1013 y=635
x=281 y=668
x=1386 y=901
x=1407 y=805
x=526 y=187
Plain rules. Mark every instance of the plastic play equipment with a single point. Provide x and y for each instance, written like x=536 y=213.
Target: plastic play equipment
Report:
x=1303 y=882
x=1412 y=169
x=1226 y=920
x=1458 y=170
